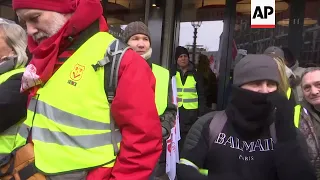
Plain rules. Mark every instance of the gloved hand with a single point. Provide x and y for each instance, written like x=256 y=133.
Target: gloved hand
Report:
x=284 y=117
x=167 y=123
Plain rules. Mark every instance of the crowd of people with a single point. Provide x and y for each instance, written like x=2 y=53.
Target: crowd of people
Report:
x=86 y=105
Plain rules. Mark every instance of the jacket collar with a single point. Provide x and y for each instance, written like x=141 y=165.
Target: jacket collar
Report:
x=311 y=110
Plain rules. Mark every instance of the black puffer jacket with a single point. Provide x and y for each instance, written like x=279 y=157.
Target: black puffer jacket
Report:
x=13 y=104
x=245 y=149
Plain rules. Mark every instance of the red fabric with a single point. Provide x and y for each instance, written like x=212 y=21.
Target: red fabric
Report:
x=135 y=113
x=46 y=53
x=133 y=108
x=61 y=6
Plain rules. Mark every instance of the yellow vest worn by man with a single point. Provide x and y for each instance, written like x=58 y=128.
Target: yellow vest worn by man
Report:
x=297 y=109
x=7 y=138
x=162 y=76
x=187 y=92
x=67 y=136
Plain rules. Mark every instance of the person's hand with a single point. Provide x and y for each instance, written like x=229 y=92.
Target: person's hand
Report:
x=167 y=124
x=284 y=117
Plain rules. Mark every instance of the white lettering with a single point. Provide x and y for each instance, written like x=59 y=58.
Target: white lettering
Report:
x=229 y=141
x=261 y=145
x=249 y=147
x=258 y=145
x=220 y=138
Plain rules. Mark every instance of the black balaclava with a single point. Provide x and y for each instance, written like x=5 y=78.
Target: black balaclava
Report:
x=250 y=111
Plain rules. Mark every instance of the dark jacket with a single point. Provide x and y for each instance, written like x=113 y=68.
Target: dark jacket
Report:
x=210 y=85
x=13 y=104
x=309 y=125
x=188 y=117
x=232 y=156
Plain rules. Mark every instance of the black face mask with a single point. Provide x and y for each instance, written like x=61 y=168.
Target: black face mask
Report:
x=250 y=110
x=8 y=64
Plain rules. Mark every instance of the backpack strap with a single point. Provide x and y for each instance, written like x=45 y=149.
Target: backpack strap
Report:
x=111 y=62
x=273 y=133
x=216 y=125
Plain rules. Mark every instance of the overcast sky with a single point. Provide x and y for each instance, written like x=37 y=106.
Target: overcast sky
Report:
x=208 y=34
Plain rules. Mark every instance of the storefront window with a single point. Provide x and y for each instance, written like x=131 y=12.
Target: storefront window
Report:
x=257 y=40
x=122 y=12
x=201 y=26
x=310 y=53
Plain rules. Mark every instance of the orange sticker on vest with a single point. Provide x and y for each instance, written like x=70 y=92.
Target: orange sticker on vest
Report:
x=76 y=73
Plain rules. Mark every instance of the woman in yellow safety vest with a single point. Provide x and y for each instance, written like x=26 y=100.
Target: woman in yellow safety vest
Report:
x=13 y=104
x=285 y=88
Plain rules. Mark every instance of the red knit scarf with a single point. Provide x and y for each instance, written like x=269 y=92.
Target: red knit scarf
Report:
x=45 y=54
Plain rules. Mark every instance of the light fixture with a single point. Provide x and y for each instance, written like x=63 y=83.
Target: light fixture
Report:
x=155 y=3
x=210 y=10
x=204 y=3
x=116 y=11
x=310 y=15
x=196 y=24
x=122 y=3
x=244 y=6
x=306 y=22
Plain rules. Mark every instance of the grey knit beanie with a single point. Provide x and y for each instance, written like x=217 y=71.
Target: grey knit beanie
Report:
x=134 y=28
x=254 y=67
x=275 y=50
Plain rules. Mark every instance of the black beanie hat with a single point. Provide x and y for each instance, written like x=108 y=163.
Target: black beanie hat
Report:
x=181 y=50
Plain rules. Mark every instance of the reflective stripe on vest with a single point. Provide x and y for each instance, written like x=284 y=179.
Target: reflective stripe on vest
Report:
x=7 y=138
x=162 y=85
x=187 y=92
x=297 y=110
x=70 y=115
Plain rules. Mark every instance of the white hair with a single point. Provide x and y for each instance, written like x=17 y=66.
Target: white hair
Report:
x=16 y=38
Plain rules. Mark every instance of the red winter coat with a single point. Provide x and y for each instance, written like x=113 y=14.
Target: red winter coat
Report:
x=135 y=113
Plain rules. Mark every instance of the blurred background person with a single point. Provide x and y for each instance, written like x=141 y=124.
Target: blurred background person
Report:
x=294 y=77
x=209 y=81
x=190 y=88
x=13 y=104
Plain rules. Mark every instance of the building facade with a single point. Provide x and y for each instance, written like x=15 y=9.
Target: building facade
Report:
x=298 y=28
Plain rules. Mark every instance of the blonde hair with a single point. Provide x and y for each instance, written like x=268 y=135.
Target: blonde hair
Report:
x=16 y=38
x=284 y=81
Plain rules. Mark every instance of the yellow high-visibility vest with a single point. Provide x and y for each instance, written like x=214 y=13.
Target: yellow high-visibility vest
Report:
x=297 y=109
x=187 y=92
x=7 y=138
x=70 y=115
x=162 y=76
